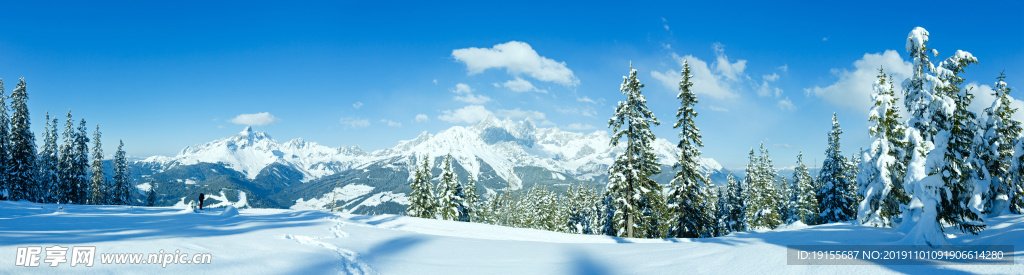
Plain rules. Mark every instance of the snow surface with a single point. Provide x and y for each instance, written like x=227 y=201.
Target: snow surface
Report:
x=278 y=241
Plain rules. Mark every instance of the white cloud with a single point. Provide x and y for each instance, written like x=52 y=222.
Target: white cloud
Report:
x=983 y=99
x=357 y=105
x=666 y=46
x=422 y=118
x=465 y=94
x=349 y=122
x=435 y=81
x=517 y=113
x=469 y=114
x=473 y=99
x=732 y=71
x=391 y=123
x=771 y=77
x=824 y=39
x=783 y=145
x=718 y=109
x=853 y=89
x=517 y=58
x=784 y=68
x=580 y=127
x=705 y=82
x=585 y=99
x=257 y=119
x=786 y=104
x=521 y=85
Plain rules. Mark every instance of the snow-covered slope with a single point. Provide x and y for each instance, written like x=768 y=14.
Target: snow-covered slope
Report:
x=277 y=241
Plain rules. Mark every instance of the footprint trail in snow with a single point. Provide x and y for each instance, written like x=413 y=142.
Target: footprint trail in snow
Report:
x=350 y=260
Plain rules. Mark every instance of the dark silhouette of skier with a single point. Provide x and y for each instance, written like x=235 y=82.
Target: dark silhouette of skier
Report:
x=201 y=198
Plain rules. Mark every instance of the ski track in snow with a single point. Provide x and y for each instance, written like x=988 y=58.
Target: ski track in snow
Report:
x=350 y=260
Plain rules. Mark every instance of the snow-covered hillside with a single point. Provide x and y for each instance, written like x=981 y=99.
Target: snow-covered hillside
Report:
x=277 y=241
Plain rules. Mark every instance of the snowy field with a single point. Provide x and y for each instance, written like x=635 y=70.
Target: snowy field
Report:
x=279 y=241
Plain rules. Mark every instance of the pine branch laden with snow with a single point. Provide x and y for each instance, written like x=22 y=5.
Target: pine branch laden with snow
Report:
x=637 y=199
x=763 y=198
x=835 y=201
x=688 y=200
x=449 y=199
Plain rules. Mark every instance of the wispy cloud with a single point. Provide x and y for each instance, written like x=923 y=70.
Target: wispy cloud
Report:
x=465 y=94
x=518 y=113
x=391 y=123
x=580 y=127
x=257 y=119
x=705 y=81
x=469 y=114
x=422 y=118
x=517 y=58
x=349 y=122
x=357 y=105
x=787 y=104
x=521 y=85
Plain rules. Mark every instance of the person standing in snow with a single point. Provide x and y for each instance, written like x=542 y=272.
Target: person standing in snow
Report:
x=201 y=198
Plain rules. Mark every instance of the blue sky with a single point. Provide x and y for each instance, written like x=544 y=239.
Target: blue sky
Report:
x=163 y=76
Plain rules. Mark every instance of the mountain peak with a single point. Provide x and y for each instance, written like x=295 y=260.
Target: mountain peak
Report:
x=249 y=134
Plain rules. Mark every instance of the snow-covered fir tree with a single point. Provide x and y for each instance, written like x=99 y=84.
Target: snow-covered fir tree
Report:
x=98 y=184
x=151 y=194
x=48 y=162
x=67 y=175
x=919 y=90
x=736 y=220
x=880 y=180
x=637 y=198
x=963 y=173
x=1016 y=187
x=471 y=209
x=762 y=197
x=1000 y=132
x=5 y=144
x=80 y=162
x=421 y=199
x=945 y=178
x=449 y=190
x=687 y=200
x=785 y=193
x=23 y=171
x=835 y=199
x=802 y=201
x=582 y=208
x=722 y=212
x=122 y=179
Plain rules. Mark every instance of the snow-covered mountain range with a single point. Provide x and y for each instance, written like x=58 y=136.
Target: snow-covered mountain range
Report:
x=495 y=152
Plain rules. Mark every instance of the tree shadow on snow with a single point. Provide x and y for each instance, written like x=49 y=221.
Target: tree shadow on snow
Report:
x=583 y=264
x=392 y=247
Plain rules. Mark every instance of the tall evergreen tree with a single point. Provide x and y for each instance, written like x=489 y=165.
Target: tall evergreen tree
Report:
x=1000 y=132
x=151 y=194
x=736 y=220
x=919 y=89
x=23 y=171
x=66 y=173
x=762 y=195
x=98 y=194
x=963 y=172
x=122 y=178
x=835 y=203
x=421 y=201
x=5 y=145
x=80 y=164
x=880 y=180
x=1016 y=186
x=636 y=196
x=48 y=162
x=687 y=201
x=471 y=202
x=449 y=190
x=803 y=202
x=582 y=206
